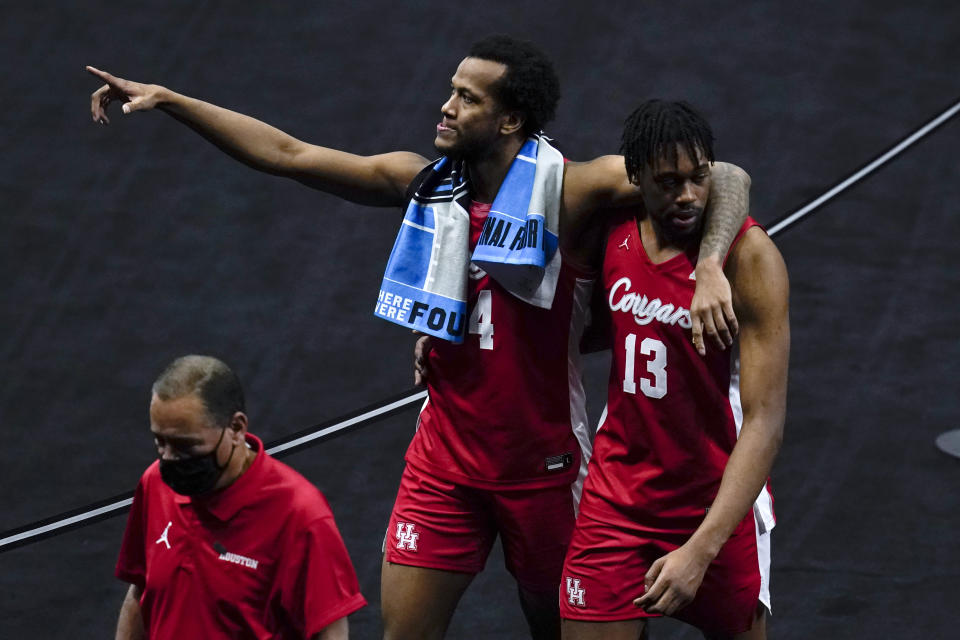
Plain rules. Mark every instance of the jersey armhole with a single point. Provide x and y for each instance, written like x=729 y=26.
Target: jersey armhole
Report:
x=415 y=184
x=747 y=225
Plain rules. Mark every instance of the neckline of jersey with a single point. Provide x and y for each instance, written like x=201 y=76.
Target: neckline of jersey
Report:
x=670 y=264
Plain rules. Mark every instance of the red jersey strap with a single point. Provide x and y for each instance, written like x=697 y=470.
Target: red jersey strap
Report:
x=749 y=222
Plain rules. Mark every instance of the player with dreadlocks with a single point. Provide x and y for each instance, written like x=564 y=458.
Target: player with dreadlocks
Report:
x=676 y=514
x=656 y=129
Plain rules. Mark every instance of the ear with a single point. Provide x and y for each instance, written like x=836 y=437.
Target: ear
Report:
x=511 y=122
x=238 y=424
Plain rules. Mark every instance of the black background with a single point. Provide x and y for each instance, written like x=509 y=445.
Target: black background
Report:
x=123 y=247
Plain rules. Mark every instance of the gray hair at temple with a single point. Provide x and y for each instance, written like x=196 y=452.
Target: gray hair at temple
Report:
x=211 y=379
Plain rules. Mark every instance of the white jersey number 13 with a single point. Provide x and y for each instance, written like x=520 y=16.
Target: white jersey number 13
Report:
x=657 y=366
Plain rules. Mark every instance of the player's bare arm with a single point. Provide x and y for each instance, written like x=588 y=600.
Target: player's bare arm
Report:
x=712 y=310
x=602 y=184
x=421 y=360
x=336 y=630
x=130 y=623
x=379 y=180
x=760 y=293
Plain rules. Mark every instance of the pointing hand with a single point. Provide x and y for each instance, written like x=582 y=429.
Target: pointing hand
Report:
x=135 y=96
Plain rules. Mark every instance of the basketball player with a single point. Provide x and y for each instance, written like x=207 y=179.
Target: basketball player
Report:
x=676 y=516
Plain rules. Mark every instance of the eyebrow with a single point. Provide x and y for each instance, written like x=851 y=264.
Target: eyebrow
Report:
x=675 y=172
x=666 y=174
x=186 y=440
x=464 y=89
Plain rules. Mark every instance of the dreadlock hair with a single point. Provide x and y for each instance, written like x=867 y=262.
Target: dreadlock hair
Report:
x=530 y=84
x=655 y=128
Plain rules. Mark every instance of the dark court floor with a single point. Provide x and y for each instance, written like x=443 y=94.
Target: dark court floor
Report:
x=126 y=246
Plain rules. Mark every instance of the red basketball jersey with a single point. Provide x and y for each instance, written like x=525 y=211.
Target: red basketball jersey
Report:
x=503 y=407
x=672 y=416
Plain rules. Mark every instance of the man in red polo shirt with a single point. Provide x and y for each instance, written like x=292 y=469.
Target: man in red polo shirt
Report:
x=222 y=540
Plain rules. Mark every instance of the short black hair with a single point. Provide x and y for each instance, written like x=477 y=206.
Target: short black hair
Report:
x=530 y=84
x=217 y=386
x=655 y=128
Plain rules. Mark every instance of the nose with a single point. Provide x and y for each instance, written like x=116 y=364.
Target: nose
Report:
x=447 y=108
x=686 y=195
x=166 y=452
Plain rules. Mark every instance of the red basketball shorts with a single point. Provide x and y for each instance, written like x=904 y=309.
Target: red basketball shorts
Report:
x=606 y=562
x=442 y=525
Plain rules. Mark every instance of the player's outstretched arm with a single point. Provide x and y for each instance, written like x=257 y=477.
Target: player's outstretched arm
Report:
x=760 y=288
x=374 y=180
x=130 y=624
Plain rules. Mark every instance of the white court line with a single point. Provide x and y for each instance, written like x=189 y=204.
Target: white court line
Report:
x=373 y=413
x=867 y=170
x=66 y=522
x=363 y=417
x=126 y=502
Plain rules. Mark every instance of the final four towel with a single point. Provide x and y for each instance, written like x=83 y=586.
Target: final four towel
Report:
x=425 y=284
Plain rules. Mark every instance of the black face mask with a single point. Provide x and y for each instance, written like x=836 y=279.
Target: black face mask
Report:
x=196 y=475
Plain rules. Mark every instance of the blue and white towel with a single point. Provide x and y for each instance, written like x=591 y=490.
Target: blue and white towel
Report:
x=425 y=284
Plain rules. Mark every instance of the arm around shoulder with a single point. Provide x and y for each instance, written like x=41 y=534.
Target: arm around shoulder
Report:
x=590 y=190
x=597 y=184
x=727 y=209
x=712 y=310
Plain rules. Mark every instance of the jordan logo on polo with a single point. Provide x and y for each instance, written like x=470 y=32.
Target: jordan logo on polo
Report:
x=624 y=244
x=163 y=536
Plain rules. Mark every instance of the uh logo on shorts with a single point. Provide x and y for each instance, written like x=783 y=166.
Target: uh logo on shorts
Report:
x=406 y=536
x=575 y=593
